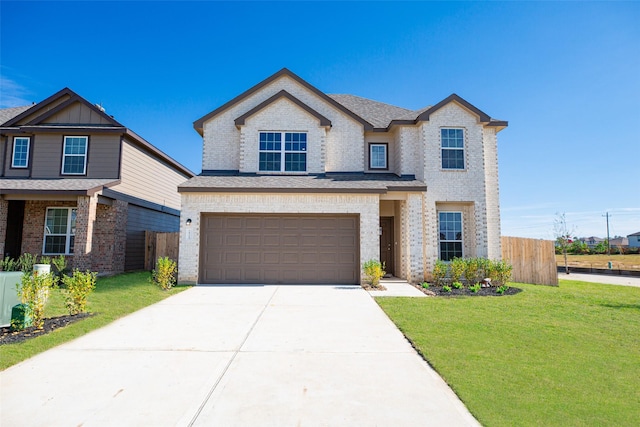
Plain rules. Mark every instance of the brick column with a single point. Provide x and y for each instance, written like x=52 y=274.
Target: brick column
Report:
x=4 y=209
x=85 y=220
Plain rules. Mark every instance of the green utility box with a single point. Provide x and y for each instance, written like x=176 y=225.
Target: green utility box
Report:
x=9 y=282
x=20 y=317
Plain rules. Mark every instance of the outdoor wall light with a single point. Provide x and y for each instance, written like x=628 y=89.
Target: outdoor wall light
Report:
x=189 y=222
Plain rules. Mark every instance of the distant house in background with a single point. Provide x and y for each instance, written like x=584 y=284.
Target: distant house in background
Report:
x=634 y=240
x=592 y=241
x=74 y=181
x=619 y=242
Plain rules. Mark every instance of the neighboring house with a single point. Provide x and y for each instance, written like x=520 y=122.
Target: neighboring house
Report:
x=634 y=240
x=74 y=181
x=592 y=241
x=303 y=187
x=619 y=242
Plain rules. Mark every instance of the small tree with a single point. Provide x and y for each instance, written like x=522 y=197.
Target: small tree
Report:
x=34 y=293
x=76 y=290
x=374 y=271
x=165 y=273
x=563 y=234
x=439 y=272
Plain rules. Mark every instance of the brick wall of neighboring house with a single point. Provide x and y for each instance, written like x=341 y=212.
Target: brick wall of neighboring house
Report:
x=85 y=224
x=106 y=245
x=366 y=205
x=109 y=237
x=4 y=209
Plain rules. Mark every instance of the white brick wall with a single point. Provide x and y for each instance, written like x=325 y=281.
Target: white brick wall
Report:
x=194 y=204
x=222 y=139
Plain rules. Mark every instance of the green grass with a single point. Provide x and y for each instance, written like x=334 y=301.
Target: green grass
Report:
x=114 y=297
x=548 y=356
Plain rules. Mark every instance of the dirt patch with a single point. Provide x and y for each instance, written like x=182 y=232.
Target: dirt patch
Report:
x=12 y=337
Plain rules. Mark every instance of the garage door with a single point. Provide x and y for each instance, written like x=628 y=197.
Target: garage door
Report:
x=269 y=249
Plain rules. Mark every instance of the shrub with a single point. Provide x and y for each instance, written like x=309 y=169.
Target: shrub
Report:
x=425 y=285
x=446 y=288
x=165 y=274
x=501 y=289
x=9 y=264
x=34 y=292
x=456 y=285
x=500 y=272
x=76 y=290
x=60 y=265
x=439 y=272
x=457 y=267
x=374 y=271
x=475 y=288
x=26 y=262
x=45 y=260
x=471 y=271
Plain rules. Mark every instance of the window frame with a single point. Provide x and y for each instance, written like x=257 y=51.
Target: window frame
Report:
x=386 y=155
x=85 y=156
x=13 y=153
x=452 y=149
x=282 y=152
x=68 y=234
x=460 y=241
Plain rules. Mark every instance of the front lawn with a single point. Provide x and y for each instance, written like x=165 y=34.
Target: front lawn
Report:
x=567 y=355
x=114 y=297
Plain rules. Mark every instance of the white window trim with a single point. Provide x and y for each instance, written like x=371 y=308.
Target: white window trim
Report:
x=283 y=152
x=64 y=156
x=68 y=234
x=13 y=155
x=455 y=241
x=463 y=149
x=386 y=155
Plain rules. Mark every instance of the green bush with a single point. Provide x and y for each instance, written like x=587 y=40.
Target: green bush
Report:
x=26 y=262
x=471 y=271
x=439 y=272
x=34 y=292
x=9 y=264
x=499 y=272
x=77 y=289
x=475 y=288
x=165 y=274
x=60 y=265
x=502 y=289
x=374 y=271
x=425 y=285
x=457 y=267
x=456 y=285
x=446 y=288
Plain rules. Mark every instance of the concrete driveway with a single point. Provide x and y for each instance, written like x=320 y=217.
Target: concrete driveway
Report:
x=236 y=356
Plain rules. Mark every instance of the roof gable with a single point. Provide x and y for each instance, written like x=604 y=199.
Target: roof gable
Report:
x=286 y=95
x=46 y=111
x=199 y=124
x=482 y=116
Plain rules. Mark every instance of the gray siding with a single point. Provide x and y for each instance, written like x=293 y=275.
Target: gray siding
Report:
x=103 y=156
x=77 y=113
x=6 y=155
x=139 y=220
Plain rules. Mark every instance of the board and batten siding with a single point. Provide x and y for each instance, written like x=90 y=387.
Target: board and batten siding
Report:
x=102 y=159
x=78 y=113
x=147 y=178
x=139 y=220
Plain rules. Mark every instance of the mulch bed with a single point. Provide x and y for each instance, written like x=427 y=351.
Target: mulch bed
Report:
x=437 y=291
x=50 y=324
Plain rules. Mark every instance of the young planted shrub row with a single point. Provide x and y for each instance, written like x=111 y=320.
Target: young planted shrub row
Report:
x=471 y=272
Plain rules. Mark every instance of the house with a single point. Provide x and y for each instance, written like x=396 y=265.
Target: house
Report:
x=619 y=242
x=74 y=181
x=592 y=241
x=299 y=186
x=634 y=240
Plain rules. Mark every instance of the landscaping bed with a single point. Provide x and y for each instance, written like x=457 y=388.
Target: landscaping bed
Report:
x=7 y=336
x=438 y=291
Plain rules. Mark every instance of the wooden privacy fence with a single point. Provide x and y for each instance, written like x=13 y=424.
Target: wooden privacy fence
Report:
x=158 y=244
x=533 y=260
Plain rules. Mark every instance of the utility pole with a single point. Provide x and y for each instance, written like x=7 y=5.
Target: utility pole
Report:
x=608 y=245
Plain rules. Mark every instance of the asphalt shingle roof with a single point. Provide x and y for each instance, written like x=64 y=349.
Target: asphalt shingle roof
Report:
x=7 y=114
x=358 y=183
x=15 y=185
x=377 y=113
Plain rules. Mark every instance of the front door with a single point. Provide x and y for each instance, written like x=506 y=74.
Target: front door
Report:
x=387 y=244
x=15 y=218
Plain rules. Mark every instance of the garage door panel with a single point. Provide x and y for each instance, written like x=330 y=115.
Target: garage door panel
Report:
x=269 y=248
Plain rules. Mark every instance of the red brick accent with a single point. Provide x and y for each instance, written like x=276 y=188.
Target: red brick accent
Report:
x=33 y=227
x=109 y=238
x=85 y=220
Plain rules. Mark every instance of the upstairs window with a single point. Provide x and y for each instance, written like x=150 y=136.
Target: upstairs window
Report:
x=452 y=148
x=283 y=152
x=378 y=156
x=59 y=231
x=450 y=235
x=74 y=155
x=20 y=157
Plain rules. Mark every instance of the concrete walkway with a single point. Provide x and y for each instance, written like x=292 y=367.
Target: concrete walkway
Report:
x=602 y=278
x=236 y=356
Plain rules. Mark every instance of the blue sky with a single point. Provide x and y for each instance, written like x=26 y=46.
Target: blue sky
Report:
x=566 y=75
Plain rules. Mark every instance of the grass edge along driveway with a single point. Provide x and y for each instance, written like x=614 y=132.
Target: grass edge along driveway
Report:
x=113 y=298
x=567 y=355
